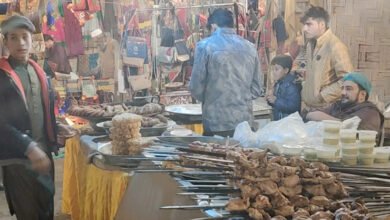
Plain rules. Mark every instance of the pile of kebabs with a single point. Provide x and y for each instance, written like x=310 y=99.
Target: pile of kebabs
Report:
x=281 y=188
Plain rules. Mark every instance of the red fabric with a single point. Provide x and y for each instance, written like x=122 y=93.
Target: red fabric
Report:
x=4 y=65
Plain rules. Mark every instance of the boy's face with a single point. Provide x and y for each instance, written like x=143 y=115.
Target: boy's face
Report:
x=19 y=42
x=279 y=72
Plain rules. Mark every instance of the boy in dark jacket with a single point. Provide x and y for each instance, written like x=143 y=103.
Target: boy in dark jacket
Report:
x=286 y=97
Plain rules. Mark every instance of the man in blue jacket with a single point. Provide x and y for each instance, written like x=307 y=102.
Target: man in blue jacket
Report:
x=226 y=76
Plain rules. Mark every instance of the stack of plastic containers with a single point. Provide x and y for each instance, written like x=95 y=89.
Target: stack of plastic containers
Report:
x=366 y=145
x=349 y=149
x=331 y=135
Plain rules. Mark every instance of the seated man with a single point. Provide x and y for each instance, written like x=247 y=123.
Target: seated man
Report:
x=355 y=92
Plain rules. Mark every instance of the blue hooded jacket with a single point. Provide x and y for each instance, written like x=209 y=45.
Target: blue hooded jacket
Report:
x=288 y=96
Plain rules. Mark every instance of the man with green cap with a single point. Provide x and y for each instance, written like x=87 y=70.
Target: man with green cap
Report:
x=356 y=89
x=27 y=126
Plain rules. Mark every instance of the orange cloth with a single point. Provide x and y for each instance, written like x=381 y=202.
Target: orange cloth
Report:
x=89 y=192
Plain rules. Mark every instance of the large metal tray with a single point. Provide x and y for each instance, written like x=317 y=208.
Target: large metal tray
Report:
x=116 y=160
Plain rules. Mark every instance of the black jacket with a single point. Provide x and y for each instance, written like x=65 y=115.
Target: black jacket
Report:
x=15 y=127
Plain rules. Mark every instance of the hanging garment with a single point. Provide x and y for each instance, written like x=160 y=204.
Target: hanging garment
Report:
x=56 y=30
x=73 y=36
x=57 y=55
x=109 y=22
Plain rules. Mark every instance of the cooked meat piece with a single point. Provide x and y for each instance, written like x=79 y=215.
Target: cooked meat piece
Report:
x=262 y=202
x=268 y=187
x=299 y=201
x=285 y=211
x=278 y=217
x=237 y=205
x=307 y=173
x=297 y=162
x=336 y=190
x=320 y=166
x=322 y=216
x=279 y=160
x=255 y=214
x=315 y=190
x=326 y=181
x=344 y=216
x=275 y=175
x=290 y=170
x=291 y=191
x=290 y=181
x=310 y=181
x=248 y=191
x=312 y=209
x=301 y=213
x=265 y=214
x=323 y=174
x=320 y=201
x=258 y=155
x=274 y=166
x=279 y=200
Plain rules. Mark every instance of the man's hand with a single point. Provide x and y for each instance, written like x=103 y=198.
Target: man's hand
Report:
x=39 y=160
x=271 y=99
x=64 y=132
x=319 y=116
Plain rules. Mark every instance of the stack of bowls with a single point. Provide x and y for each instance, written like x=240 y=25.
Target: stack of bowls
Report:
x=331 y=135
x=366 y=145
x=349 y=149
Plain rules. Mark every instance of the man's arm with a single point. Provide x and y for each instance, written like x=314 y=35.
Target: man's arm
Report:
x=319 y=116
x=342 y=64
x=257 y=81
x=199 y=74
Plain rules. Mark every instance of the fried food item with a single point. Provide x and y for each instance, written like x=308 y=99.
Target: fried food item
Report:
x=320 y=201
x=322 y=216
x=301 y=213
x=255 y=214
x=262 y=202
x=279 y=200
x=315 y=190
x=237 y=205
x=290 y=181
x=285 y=211
x=299 y=201
x=291 y=191
x=268 y=187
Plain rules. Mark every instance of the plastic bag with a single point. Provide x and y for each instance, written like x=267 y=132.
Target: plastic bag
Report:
x=290 y=129
x=244 y=134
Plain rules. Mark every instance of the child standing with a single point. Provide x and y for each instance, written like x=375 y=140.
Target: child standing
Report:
x=286 y=97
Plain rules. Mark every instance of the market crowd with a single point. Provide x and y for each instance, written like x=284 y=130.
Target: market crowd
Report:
x=226 y=77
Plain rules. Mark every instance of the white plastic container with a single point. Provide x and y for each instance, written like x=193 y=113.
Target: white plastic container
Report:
x=366 y=159
x=327 y=154
x=350 y=149
x=331 y=126
x=348 y=136
x=382 y=155
x=330 y=141
x=367 y=136
x=366 y=148
x=349 y=160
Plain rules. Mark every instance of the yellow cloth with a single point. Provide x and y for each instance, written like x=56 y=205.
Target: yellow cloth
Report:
x=196 y=128
x=89 y=192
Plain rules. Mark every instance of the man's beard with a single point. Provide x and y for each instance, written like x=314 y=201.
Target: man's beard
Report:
x=345 y=102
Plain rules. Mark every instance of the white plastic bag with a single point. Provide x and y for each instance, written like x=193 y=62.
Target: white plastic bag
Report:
x=244 y=134
x=290 y=129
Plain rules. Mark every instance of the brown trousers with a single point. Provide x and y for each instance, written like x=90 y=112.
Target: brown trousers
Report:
x=30 y=196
